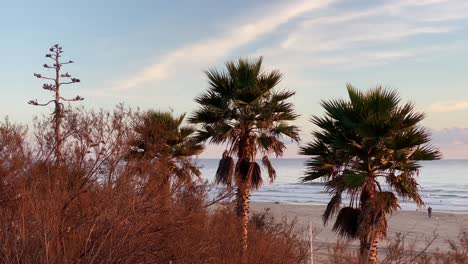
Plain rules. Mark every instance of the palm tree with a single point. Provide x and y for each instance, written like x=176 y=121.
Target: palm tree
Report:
x=162 y=139
x=367 y=148
x=242 y=110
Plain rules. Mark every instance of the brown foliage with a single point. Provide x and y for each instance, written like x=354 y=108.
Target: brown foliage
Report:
x=99 y=207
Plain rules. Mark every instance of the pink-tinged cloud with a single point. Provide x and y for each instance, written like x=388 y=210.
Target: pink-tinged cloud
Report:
x=209 y=50
x=452 y=142
x=448 y=106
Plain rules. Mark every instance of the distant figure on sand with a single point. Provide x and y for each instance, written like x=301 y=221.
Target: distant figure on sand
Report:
x=429 y=212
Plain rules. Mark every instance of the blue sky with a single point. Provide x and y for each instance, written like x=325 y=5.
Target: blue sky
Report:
x=152 y=54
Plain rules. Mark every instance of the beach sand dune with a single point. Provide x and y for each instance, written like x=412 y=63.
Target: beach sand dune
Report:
x=415 y=225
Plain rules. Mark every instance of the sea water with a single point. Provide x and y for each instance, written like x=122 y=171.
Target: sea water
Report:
x=444 y=185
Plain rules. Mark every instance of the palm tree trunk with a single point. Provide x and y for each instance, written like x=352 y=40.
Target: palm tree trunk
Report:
x=243 y=192
x=373 y=252
x=245 y=220
x=239 y=202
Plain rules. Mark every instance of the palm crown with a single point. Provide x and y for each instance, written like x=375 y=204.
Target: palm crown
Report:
x=241 y=110
x=368 y=148
x=161 y=136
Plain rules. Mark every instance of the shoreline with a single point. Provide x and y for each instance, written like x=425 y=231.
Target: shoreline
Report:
x=416 y=226
x=324 y=205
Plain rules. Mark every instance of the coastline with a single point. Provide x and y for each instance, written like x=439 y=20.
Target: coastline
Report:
x=414 y=225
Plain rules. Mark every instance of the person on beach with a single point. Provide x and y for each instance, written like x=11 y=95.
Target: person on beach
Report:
x=429 y=212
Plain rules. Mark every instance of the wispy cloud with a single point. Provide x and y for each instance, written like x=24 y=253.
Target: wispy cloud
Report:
x=380 y=24
x=448 y=106
x=372 y=34
x=341 y=37
x=389 y=8
x=215 y=48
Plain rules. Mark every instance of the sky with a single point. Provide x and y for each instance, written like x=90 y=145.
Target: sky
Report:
x=153 y=54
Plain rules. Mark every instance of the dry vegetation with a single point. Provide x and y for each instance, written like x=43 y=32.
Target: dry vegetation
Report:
x=401 y=250
x=100 y=206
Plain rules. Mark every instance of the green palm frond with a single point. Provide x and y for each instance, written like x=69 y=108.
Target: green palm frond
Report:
x=426 y=152
x=283 y=129
x=281 y=96
x=353 y=180
x=270 y=144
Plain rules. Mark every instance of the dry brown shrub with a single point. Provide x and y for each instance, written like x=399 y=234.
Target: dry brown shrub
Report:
x=100 y=207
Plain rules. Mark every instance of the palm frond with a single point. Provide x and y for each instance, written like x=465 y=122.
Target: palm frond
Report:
x=406 y=186
x=353 y=180
x=242 y=169
x=225 y=171
x=256 y=177
x=387 y=202
x=426 y=152
x=250 y=173
x=271 y=171
x=347 y=222
x=270 y=144
x=332 y=207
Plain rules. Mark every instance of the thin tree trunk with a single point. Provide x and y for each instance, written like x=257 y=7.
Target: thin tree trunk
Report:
x=58 y=141
x=57 y=115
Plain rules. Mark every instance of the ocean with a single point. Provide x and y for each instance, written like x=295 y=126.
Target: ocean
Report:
x=444 y=185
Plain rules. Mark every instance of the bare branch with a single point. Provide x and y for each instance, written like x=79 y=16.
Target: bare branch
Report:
x=51 y=56
x=49 y=87
x=34 y=102
x=65 y=75
x=37 y=75
x=435 y=236
x=77 y=98
x=73 y=80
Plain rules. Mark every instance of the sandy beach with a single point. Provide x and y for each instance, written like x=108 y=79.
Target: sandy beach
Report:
x=414 y=224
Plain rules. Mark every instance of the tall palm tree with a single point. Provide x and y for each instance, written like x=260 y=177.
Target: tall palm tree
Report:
x=367 y=148
x=162 y=138
x=242 y=110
